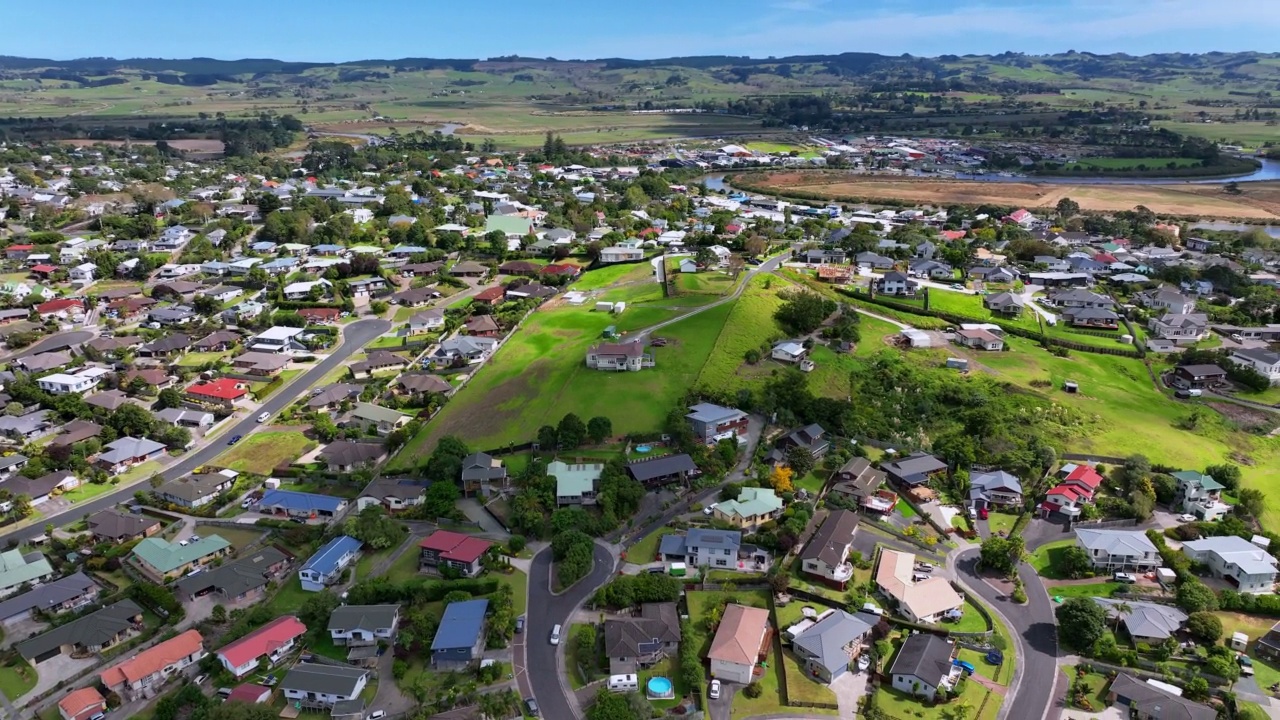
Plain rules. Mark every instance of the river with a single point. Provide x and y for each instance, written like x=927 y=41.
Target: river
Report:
x=1270 y=170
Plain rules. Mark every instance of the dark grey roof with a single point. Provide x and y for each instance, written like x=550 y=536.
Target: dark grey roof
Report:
x=385 y=487
x=337 y=392
x=114 y=524
x=915 y=465
x=661 y=467
x=1157 y=703
x=363 y=617
x=75 y=431
x=91 y=630
x=827 y=639
x=48 y=595
x=832 y=538
x=329 y=679
x=235 y=578
x=658 y=623
x=176 y=341
x=424 y=382
x=925 y=656
x=480 y=466
x=346 y=452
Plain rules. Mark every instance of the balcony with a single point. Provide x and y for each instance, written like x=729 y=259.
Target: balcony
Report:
x=842 y=573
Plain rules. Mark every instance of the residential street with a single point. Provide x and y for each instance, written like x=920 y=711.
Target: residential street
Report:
x=546 y=610
x=355 y=336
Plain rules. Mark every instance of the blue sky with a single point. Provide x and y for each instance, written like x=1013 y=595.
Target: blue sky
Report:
x=338 y=30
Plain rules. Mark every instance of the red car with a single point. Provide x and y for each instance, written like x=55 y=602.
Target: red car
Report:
x=982 y=513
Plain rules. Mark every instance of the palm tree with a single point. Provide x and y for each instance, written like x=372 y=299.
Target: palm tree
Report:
x=1121 y=609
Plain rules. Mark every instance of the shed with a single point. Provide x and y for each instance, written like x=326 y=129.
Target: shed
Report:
x=917 y=338
x=1239 y=641
x=1166 y=576
x=1071 y=386
x=604 y=307
x=619 y=307
x=957 y=364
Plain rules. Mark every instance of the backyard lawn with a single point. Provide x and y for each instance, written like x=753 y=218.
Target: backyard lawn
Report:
x=197 y=359
x=970 y=621
x=1000 y=521
x=647 y=549
x=1046 y=558
x=239 y=538
x=290 y=597
x=262 y=452
x=17 y=678
x=901 y=705
x=404 y=567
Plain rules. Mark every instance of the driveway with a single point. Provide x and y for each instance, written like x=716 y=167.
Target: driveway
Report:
x=545 y=611
x=355 y=336
x=848 y=688
x=55 y=670
x=722 y=709
x=477 y=514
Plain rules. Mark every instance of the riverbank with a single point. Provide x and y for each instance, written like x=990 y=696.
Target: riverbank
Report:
x=1237 y=168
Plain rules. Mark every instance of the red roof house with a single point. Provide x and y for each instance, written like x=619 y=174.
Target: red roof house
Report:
x=82 y=704
x=44 y=269
x=488 y=296
x=224 y=390
x=321 y=315
x=952 y=234
x=567 y=269
x=1084 y=478
x=733 y=228
x=251 y=694
x=445 y=548
x=61 y=305
x=272 y=641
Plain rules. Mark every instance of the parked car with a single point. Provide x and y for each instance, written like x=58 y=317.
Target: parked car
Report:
x=714 y=691
x=864 y=662
x=924 y=567
x=965 y=665
x=520 y=624
x=264 y=417
x=377 y=715
x=709 y=509
x=246 y=503
x=201 y=678
x=1123 y=577
x=1186 y=517
x=234 y=439
x=982 y=514
x=532 y=706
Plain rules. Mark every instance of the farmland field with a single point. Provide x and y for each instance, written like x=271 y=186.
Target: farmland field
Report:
x=1187 y=199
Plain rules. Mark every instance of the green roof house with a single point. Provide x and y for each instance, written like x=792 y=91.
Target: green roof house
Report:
x=15 y=569
x=162 y=560
x=1200 y=495
x=575 y=484
x=753 y=508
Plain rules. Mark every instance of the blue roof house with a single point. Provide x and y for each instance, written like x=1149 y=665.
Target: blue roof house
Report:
x=326 y=566
x=301 y=504
x=459 y=640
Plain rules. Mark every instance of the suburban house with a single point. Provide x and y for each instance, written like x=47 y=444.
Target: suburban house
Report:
x=927 y=600
x=382 y=420
x=1245 y=566
x=1112 y=550
x=448 y=549
x=426 y=321
x=315 y=686
x=1268 y=645
x=17 y=570
x=753 y=508
x=120 y=455
x=1146 y=622
x=713 y=549
x=87 y=634
x=895 y=283
x=873 y=261
x=740 y=643
x=305 y=505
x=223 y=392
x=979 y=338
x=617 y=254
x=378 y=360
x=619 y=357
x=360 y=625
x=278 y=339
x=994 y=489
x=1004 y=303
x=1264 y=361
x=576 y=483
x=922 y=665
x=789 y=351
x=861 y=483
x=1197 y=377
x=271 y=642
x=83 y=704
x=345 y=456
x=415 y=383
x=1180 y=328
x=1091 y=317
x=642 y=640
x=239 y=582
x=393 y=494
x=1166 y=299
x=1199 y=495
x=826 y=557
x=194 y=491
x=463 y=350
x=331 y=397
x=162 y=561
x=712 y=423
x=325 y=567
x=482 y=475
x=826 y=648
x=913 y=470
x=260 y=363
x=79 y=383
x=810 y=437
x=65 y=594
x=117 y=527
x=142 y=674
x=180 y=417
x=1150 y=700
x=663 y=470
x=460 y=638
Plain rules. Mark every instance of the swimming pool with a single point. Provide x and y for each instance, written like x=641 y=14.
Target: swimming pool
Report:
x=643 y=448
x=659 y=687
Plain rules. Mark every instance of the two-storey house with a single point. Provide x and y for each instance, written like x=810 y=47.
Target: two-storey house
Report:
x=1112 y=550
x=1245 y=566
x=826 y=557
x=1200 y=495
x=143 y=673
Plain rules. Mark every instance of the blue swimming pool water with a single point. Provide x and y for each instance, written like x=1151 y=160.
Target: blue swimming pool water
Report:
x=659 y=686
x=643 y=448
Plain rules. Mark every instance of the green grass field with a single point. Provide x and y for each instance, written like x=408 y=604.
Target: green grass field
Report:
x=749 y=326
x=261 y=452
x=196 y=359
x=1106 y=163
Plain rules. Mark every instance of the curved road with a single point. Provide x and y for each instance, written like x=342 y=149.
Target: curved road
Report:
x=542 y=667
x=1035 y=677
x=354 y=338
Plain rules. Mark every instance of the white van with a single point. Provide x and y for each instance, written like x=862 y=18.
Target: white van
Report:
x=623 y=683
x=555 y=635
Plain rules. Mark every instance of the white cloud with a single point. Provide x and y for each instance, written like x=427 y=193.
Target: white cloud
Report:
x=1135 y=26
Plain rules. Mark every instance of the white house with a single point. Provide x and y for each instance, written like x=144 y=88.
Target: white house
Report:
x=789 y=351
x=355 y=625
x=321 y=686
x=83 y=273
x=1118 y=549
x=1264 y=361
x=923 y=665
x=82 y=381
x=620 y=254
x=895 y=282
x=302 y=290
x=739 y=643
x=361 y=215
x=1247 y=567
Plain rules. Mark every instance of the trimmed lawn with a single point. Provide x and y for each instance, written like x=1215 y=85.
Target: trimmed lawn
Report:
x=1095 y=682
x=17 y=679
x=647 y=549
x=518 y=581
x=812 y=482
x=906 y=510
x=196 y=359
x=1046 y=558
x=670 y=670
x=800 y=688
x=998 y=521
x=87 y=491
x=1104 y=589
x=750 y=326
x=985 y=669
x=901 y=705
x=539 y=376
x=239 y=539
x=405 y=567
x=704 y=283
x=261 y=452
x=290 y=597
x=971 y=621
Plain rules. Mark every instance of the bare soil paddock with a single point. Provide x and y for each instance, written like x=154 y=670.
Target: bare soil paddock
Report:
x=1258 y=200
